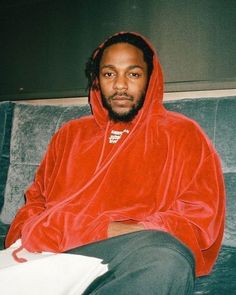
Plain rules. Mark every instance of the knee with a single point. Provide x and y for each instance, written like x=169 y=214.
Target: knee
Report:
x=168 y=270
x=173 y=262
x=177 y=271
x=162 y=268
x=159 y=239
x=165 y=252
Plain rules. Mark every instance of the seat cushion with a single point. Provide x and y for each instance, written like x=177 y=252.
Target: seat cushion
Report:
x=222 y=280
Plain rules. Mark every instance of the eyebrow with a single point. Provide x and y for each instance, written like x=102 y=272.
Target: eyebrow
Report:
x=129 y=67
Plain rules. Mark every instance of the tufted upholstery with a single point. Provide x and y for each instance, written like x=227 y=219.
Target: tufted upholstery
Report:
x=33 y=126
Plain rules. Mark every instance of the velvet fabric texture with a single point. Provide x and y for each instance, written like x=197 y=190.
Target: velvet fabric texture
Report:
x=32 y=129
x=159 y=170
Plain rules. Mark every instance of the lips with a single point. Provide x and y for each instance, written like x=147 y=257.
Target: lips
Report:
x=121 y=97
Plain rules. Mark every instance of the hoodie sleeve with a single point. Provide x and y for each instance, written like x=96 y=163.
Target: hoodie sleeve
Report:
x=35 y=197
x=196 y=214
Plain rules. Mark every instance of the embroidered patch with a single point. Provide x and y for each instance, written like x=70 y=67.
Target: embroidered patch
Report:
x=116 y=135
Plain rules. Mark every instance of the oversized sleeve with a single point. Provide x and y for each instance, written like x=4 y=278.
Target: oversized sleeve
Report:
x=35 y=197
x=197 y=213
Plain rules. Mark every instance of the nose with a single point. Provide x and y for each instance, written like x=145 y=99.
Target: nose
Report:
x=120 y=83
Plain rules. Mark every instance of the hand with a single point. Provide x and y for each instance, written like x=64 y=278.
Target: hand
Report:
x=117 y=228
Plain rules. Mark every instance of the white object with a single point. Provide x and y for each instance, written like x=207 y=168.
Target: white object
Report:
x=47 y=273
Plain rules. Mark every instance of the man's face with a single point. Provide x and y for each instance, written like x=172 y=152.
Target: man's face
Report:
x=123 y=81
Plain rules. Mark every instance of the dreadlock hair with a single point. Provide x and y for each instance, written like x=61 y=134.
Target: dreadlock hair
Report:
x=92 y=65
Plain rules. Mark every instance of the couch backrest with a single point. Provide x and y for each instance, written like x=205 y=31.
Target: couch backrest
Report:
x=6 y=109
x=32 y=129
x=34 y=125
x=218 y=118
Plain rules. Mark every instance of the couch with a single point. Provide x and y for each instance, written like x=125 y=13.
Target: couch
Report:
x=25 y=130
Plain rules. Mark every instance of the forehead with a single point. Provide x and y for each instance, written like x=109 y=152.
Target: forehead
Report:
x=122 y=54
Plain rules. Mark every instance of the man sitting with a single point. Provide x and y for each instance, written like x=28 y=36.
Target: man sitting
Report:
x=133 y=184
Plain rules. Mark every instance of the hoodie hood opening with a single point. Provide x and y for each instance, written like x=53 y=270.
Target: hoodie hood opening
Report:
x=154 y=93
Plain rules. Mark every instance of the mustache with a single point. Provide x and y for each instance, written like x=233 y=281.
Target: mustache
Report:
x=121 y=94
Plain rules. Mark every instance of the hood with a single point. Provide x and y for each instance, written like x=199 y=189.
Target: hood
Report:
x=153 y=99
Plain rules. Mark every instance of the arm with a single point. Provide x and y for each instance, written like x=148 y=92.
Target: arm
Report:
x=33 y=206
x=193 y=197
x=121 y=228
x=196 y=216
x=35 y=199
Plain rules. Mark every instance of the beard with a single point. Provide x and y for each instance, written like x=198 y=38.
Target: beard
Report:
x=124 y=117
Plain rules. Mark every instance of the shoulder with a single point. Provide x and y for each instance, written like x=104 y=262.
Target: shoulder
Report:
x=75 y=129
x=184 y=130
x=179 y=122
x=76 y=125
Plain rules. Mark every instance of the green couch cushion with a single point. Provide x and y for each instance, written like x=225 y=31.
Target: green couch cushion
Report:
x=202 y=111
x=218 y=119
x=230 y=227
x=225 y=133
x=222 y=280
x=6 y=109
x=32 y=129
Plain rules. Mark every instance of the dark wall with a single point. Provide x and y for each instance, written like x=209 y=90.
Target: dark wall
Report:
x=45 y=44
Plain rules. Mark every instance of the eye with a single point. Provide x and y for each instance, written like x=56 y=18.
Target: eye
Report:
x=108 y=74
x=134 y=75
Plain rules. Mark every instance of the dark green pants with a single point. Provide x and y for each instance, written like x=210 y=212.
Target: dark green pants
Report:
x=145 y=262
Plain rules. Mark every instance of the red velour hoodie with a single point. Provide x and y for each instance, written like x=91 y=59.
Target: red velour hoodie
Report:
x=159 y=170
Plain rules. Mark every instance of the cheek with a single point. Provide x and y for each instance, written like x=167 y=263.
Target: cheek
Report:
x=105 y=88
x=139 y=89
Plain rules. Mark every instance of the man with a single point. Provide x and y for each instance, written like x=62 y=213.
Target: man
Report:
x=133 y=184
